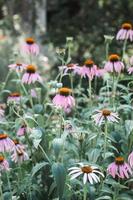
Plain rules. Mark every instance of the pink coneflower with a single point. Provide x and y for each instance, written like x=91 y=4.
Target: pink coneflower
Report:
x=6 y=144
x=105 y=115
x=31 y=76
x=114 y=64
x=4 y=165
x=15 y=96
x=22 y=130
x=125 y=32
x=19 y=67
x=64 y=99
x=90 y=173
x=19 y=155
x=130 y=159
x=30 y=46
x=69 y=67
x=89 y=69
x=119 y=168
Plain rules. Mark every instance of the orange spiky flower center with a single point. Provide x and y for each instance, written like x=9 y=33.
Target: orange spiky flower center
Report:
x=20 y=153
x=65 y=91
x=30 y=41
x=126 y=26
x=89 y=63
x=106 y=112
x=119 y=160
x=86 y=169
x=1 y=158
x=31 y=69
x=70 y=65
x=16 y=141
x=3 y=136
x=18 y=64
x=15 y=94
x=114 y=58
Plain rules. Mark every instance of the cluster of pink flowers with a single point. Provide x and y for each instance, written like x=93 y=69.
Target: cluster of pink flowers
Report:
x=17 y=151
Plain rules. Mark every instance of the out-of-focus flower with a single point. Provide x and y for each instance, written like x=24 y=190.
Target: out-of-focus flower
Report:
x=114 y=64
x=30 y=46
x=130 y=70
x=130 y=159
x=64 y=99
x=4 y=165
x=90 y=173
x=22 y=130
x=100 y=72
x=19 y=67
x=105 y=115
x=69 y=67
x=131 y=60
x=6 y=144
x=33 y=93
x=31 y=76
x=2 y=110
x=89 y=69
x=125 y=32
x=119 y=168
x=19 y=155
x=15 y=97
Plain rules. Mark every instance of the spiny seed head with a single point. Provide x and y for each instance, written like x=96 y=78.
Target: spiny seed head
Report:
x=87 y=169
x=106 y=112
x=15 y=94
x=30 y=41
x=31 y=69
x=126 y=26
x=1 y=158
x=3 y=136
x=65 y=91
x=114 y=58
x=119 y=160
x=89 y=63
x=70 y=65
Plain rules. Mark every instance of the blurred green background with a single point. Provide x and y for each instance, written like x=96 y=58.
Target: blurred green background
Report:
x=51 y=21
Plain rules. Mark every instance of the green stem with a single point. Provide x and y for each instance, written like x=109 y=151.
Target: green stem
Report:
x=1 y=193
x=7 y=77
x=124 y=49
x=107 y=50
x=9 y=184
x=45 y=155
x=85 y=193
x=90 y=95
x=105 y=138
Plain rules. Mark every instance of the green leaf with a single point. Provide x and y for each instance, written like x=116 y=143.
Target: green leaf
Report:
x=104 y=197
x=129 y=126
x=59 y=174
x=38 y=166
x=57 y=146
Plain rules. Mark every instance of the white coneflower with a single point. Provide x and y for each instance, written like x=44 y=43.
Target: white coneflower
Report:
x=104 y=115
x=90 y=173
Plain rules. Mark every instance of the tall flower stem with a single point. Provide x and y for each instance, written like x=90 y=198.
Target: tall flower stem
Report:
x=107 y=50
x=105 y=138
x=1 y=193
x=124 y=49
x=85 y=192
x=90 y=94
x=9 y=184
x=44 y=153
